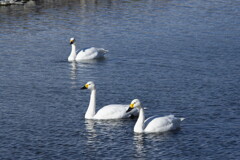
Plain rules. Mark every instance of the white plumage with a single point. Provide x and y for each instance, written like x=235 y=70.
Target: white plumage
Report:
x=153 y=124
x=112 y=111
x=85 y=54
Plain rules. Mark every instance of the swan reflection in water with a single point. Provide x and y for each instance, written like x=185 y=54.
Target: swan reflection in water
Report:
x=98 y=133
x=143 y=142
x=138 y=141
x=91 y=132
x=103 y=126
x=73 y=67
x=82 y=68
x=73 y=74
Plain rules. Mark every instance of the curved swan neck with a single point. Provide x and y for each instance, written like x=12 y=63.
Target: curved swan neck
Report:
x=92 y=105
x=74 y=48
x=73 y=53
x=140 y=122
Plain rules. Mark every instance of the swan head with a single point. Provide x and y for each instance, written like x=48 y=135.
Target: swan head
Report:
x=89 y=85
x=72 y=40
x=135 y=103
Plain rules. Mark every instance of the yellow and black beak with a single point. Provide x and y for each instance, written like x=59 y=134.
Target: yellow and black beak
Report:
x=85 y=86
x=71 y=41
x=131 y=106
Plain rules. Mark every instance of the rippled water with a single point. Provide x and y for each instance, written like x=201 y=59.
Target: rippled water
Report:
x=179 y=57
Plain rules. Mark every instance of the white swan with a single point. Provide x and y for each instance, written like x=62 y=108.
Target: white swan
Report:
x=155 y=123
x=112 y=111
x=85 y=54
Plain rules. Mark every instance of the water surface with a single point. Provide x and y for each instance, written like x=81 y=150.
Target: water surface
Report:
x=177 y=57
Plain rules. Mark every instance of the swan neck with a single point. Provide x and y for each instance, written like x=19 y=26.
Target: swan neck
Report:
x=73 y=52
x=92 y=105
x=139 y=124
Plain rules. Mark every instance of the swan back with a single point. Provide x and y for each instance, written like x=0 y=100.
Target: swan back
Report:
x=91 y=53
x=161 y=124
x=113 y=111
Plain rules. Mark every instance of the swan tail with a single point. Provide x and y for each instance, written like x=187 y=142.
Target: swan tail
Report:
x=181 y=119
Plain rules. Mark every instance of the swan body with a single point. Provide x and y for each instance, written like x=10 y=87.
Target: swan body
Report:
x=112 y=111
x=85 y=54
x=154 y=124
x=91 y=53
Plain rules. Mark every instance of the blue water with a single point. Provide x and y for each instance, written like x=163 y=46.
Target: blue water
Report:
x=177 y=57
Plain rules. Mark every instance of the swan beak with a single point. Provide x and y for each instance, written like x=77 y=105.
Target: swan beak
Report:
x=85 y=87
x=130 y=108
x=71 y=42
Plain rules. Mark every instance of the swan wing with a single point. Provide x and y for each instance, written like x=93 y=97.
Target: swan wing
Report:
x=161 y=124
x=148 y=120
x=91 y=53
x=113 y=111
